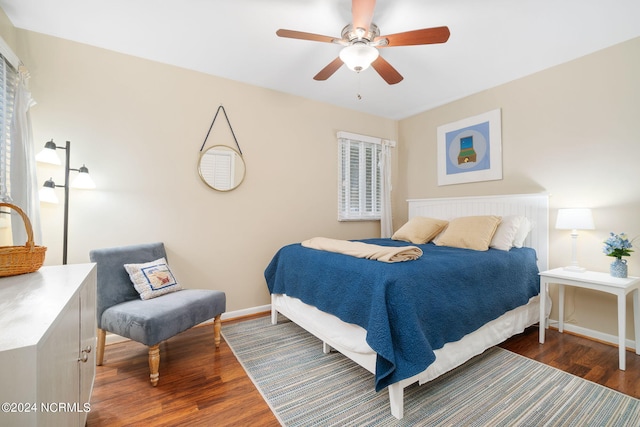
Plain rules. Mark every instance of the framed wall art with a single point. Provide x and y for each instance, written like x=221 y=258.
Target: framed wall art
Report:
x=470 y=150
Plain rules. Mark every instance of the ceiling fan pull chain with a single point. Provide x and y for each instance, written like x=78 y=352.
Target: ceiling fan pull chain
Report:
x=228 y=122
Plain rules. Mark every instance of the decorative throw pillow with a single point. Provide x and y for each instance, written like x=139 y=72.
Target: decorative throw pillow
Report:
x=420 y=230
x=523 y=232
x=152 y=279
x=469 y=232
x=506 y=232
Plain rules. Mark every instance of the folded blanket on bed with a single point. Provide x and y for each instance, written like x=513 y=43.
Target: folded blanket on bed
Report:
x=364 y=250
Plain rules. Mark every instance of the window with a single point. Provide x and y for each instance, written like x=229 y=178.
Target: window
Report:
x=359 y=177
x=8 y=81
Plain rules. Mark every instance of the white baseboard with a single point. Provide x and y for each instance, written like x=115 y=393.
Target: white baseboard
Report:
x=246 y=312
x=113 y=338
x=596 y=335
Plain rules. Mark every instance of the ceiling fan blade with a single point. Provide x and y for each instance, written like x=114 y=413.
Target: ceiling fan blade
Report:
x=328 y=71
x=386 y=71
x=292 y=34
x=417 y=37
x=362 y=12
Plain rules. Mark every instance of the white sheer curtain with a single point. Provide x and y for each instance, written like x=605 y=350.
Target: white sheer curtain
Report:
x=386 y=219
x=24 y=185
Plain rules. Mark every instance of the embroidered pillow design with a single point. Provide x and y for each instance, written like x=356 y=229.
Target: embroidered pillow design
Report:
x=152 y=279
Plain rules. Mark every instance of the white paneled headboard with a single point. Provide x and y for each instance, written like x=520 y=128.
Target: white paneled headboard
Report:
x=533 y=206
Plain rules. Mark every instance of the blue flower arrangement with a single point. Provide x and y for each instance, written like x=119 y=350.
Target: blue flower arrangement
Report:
x=617 y=245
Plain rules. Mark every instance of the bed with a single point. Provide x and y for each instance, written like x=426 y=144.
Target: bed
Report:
x=395 y=322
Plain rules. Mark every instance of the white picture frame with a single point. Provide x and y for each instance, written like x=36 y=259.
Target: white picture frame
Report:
x=470 y=150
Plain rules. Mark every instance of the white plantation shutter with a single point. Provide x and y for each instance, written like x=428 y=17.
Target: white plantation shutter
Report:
x=8 y=81
x=359 y=177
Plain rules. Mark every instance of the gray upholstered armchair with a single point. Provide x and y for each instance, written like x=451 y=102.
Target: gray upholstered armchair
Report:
x=121 y=310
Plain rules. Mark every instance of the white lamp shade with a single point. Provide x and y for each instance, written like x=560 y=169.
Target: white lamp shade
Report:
x=83 y=181
x=48 y=155
x=48 y=195
x=359 y=56
x=575 y=219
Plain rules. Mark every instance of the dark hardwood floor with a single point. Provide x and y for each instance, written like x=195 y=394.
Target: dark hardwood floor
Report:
x=201 y=386
x=591 y=360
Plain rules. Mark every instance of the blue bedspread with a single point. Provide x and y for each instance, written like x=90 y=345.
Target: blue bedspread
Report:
x=411 y=308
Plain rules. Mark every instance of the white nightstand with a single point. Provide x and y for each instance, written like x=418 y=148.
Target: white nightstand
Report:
x=599 y=282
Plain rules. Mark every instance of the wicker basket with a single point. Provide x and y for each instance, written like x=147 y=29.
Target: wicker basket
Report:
x=16 y=260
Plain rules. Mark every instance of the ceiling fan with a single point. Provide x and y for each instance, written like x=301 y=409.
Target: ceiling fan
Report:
x=361 y=40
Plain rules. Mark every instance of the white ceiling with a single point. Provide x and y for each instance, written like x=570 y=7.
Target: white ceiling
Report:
x=492 y=41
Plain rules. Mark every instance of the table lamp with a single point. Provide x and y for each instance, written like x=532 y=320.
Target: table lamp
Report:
x=574 y=220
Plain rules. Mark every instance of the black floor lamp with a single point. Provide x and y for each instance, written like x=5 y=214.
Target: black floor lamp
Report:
x=47 y=192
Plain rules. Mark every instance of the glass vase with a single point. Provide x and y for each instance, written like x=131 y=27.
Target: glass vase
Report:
x=618 y=268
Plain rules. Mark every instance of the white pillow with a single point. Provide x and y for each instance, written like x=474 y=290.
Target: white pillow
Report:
x=523 y=232
x=506 y=232
x=152 y=279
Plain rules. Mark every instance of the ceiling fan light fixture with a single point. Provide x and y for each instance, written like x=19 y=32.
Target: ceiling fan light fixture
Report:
x=359 y=56
x=360 y=33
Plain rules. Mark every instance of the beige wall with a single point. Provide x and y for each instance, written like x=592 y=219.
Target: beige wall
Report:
x=7 y=30
x=571 y=131
x=139 y=125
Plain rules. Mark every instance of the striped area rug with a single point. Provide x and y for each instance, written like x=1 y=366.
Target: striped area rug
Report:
x=306 y=387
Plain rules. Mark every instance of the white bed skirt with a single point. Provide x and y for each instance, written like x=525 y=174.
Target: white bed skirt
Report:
x=350 y=339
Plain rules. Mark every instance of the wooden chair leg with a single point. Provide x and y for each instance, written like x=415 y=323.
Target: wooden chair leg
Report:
x=102 y=334
x=217 y=324
x=154 y=364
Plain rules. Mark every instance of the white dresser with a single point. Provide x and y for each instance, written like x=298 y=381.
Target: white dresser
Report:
x=47 y=346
